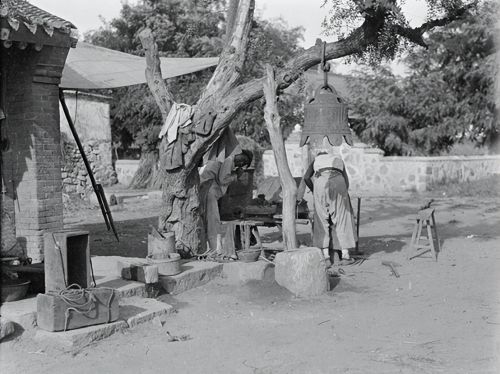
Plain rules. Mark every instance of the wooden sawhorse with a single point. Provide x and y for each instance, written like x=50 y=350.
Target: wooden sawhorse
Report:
x=424 y=220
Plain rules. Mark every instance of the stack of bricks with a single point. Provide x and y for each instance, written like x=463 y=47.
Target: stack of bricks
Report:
x=32 y=162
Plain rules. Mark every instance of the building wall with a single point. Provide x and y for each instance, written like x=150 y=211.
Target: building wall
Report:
x=31 y=165
x=125 y=170
x=90 y=114
x=372 y=173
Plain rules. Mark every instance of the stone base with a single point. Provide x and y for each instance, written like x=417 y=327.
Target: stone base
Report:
x=124 y=288
x=79 y=338
x=135 y=310
x=194 y=274
x=239 y=273
x=21 y=312
x=302 y=271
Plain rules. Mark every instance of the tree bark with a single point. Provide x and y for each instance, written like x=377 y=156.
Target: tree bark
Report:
x=288 y=185
x=180 y=210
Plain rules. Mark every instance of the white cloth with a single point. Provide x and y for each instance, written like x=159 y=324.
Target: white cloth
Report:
x=179 y=116
x=327 y=161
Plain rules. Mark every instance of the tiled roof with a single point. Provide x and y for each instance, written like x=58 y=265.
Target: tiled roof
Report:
x=16 y=11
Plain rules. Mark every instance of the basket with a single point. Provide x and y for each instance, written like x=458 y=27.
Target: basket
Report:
x=15 y=291
x=249 y=255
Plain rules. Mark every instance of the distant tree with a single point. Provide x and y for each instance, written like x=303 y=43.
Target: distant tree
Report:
x=447 y=97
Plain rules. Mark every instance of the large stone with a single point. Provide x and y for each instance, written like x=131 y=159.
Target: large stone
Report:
x=79 y=338
x=242 y=272
x=302 y=271
x=194 y=274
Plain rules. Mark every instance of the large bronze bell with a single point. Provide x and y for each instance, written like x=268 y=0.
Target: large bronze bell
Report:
x=325 y=114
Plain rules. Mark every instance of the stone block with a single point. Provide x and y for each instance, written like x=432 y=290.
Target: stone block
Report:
x=302 y=271
x=137 y=310
x=240 y=272
x=138 y=272
x=194 y=274
x=79 y=338
x=22 y=312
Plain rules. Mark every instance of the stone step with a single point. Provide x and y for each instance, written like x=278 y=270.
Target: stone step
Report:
x=133 y=311
x=194 y=274
x=21 y=312
x=136 y=310
x=79 y=338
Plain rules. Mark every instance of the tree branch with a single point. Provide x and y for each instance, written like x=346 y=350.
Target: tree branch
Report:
x=240 y=96
x=288 y=185
x=156 y=84
x=231 y=61
x=416 y=34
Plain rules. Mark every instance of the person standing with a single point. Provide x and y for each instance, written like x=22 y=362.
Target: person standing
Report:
x=215 y=178
x=333 y=226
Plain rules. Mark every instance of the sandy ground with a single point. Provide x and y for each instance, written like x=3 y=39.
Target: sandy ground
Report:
x=438 y=317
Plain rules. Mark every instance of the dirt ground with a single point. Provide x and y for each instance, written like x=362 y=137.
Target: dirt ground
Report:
x=437 y=317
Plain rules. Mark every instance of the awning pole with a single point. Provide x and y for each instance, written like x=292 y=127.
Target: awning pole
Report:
x=99 y=191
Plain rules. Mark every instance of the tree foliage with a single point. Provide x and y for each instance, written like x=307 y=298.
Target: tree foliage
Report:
x=386 y=29
x=447 y=97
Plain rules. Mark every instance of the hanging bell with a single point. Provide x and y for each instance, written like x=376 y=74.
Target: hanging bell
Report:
x=325 y=114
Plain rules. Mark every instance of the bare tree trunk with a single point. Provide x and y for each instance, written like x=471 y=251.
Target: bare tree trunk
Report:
x=180 y=210
x=288 y=186
x=148 y=173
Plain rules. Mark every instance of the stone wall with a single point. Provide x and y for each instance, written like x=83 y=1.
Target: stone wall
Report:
x=90 y=114
x=31 y=166
x=74 y=174
x=372 y=173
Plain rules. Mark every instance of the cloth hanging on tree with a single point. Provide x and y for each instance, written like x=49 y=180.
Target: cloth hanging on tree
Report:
x=178 y=116
x=226 y=146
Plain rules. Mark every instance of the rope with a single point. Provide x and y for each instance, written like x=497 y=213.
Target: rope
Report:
x=74 y=293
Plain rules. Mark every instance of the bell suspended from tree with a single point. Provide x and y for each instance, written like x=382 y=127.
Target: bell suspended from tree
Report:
x=325 y=115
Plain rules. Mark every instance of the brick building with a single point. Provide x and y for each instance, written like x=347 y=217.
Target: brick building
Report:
x=33 y=48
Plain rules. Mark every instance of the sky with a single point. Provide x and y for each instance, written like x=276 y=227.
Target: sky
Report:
x=85 y=15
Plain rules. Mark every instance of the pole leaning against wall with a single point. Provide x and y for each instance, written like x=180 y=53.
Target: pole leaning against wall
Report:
x=99 y=191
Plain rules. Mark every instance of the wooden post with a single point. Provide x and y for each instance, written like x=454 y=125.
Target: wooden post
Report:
x=288 y=186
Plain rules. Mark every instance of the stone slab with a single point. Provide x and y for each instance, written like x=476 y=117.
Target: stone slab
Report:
x=136 y=310
x=21 y=312
x=302 y=271
x=107 y=266
x=194 y=274
x=124 y=288
x=79 y=338
x=239 y=273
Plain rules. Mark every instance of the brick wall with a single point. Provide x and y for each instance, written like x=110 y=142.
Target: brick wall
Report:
x=32 y=166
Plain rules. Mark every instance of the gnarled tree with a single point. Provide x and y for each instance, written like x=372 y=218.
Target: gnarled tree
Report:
x=382 y=30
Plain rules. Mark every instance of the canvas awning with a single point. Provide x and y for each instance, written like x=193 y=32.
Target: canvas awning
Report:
x=92 y=67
